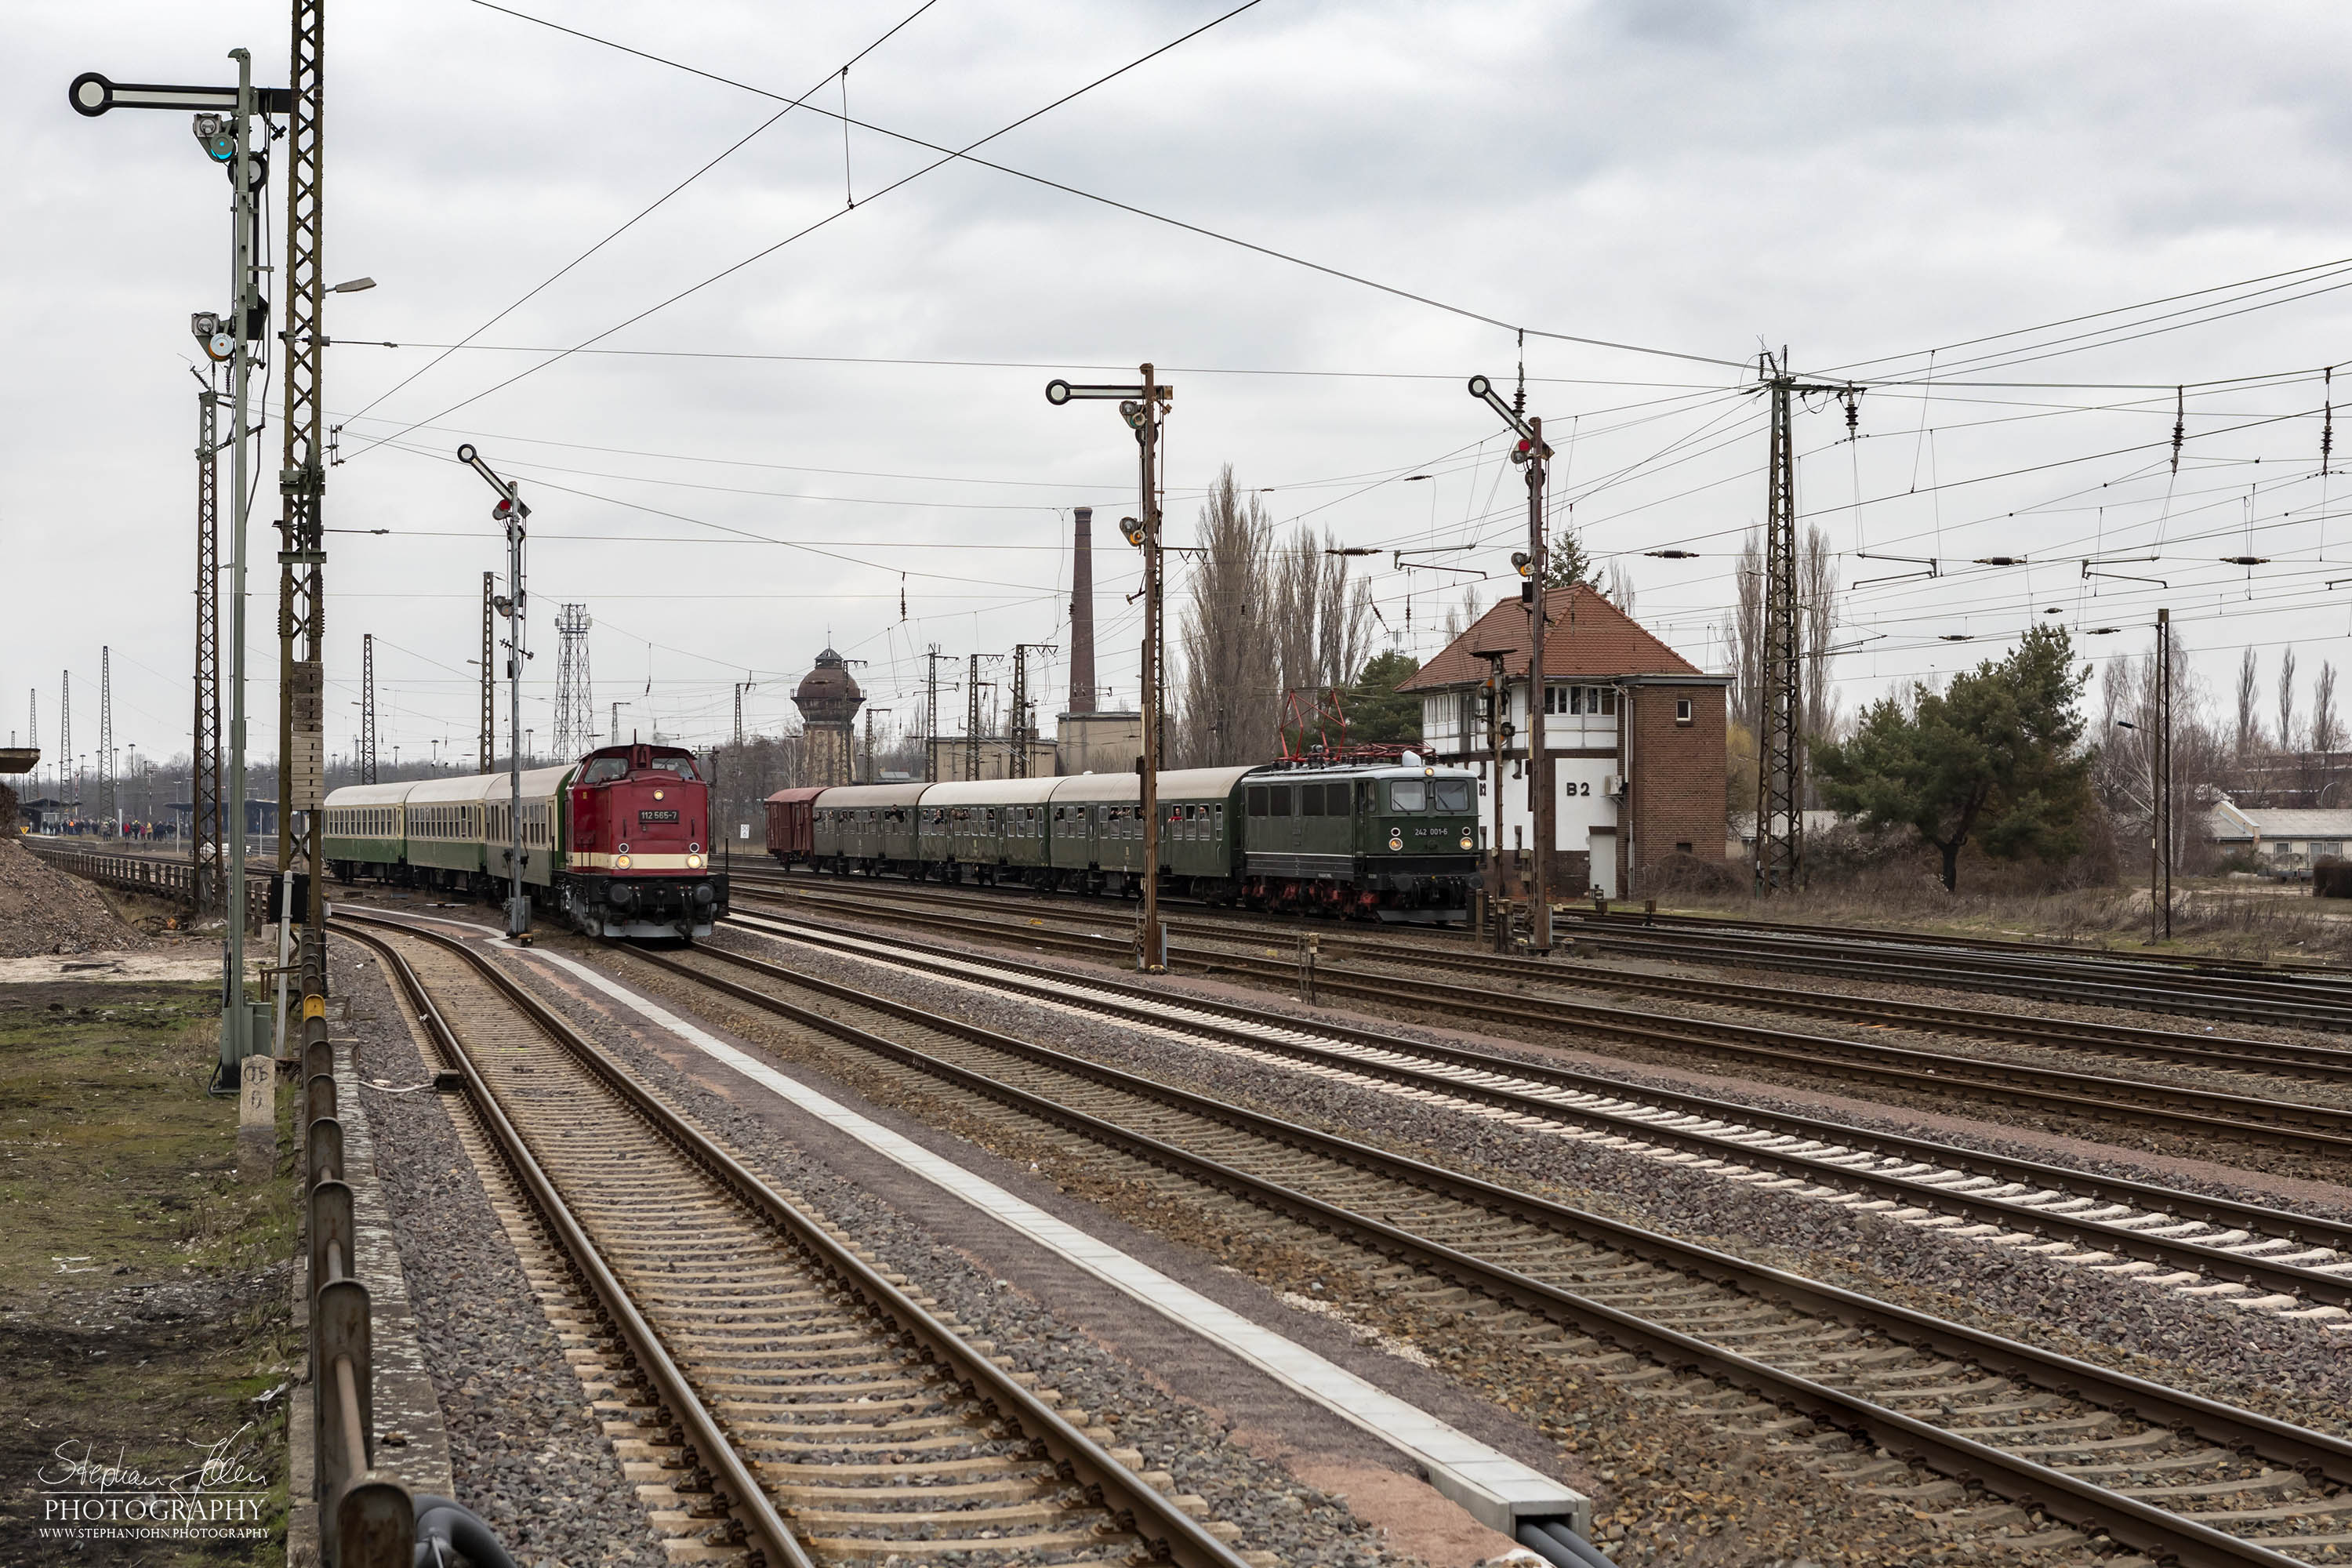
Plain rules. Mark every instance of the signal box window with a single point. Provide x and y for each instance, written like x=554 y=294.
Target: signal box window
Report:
x=1682 y=710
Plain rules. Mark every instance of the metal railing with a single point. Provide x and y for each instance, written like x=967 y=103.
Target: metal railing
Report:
x=149 y=874
x=366 y=1518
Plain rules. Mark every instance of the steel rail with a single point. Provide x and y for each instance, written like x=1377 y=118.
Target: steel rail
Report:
x=2240 y=998
x=2225 y=1053
x=1265 y=1031
x=1171 y=1534
x=708 y=1442
x=2319 y=1128
x=2022 y=1480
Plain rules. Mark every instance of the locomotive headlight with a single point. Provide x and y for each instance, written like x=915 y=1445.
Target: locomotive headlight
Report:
x=694 y=862
x=620 y=862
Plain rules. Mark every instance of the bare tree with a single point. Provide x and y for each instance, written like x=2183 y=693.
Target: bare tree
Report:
x=2326 y=728
x=1817 y=585
x=1461 y=617
x=1231 y=701
x=2250 y=723
x=1745 y=635
x=1620 y=589
x=2286 y=700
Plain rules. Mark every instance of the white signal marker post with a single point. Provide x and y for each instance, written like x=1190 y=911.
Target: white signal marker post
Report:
x=1144 y=405
x=511 y=512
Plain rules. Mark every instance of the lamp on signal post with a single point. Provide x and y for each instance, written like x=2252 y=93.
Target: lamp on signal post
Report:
x=511 y=512
x=1144 y=405
x=1532 y=454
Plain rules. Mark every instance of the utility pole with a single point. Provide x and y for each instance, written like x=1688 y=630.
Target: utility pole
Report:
x=873 y=775
x=973 y=684
x=2160 y=819
x=302 y=488
x=1025 y=727
x=1781 y=746
x=515 y=515
x=575 y=706
x=106 y=735
x=1531 y=454
x=1144 y=406
x=204 y=754
x=65 y=742
x=366 y=758
x=489 y=668
x=931 y=712
x=740 y=688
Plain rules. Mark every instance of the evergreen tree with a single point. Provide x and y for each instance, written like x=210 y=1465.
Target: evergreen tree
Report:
x=1377 y=712
x=1996 y=756
x=1565 y=562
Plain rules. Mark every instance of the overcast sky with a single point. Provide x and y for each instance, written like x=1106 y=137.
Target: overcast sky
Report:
x=726 y=490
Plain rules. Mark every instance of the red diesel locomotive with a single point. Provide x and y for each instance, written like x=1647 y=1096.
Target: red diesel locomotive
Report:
x=617 y=844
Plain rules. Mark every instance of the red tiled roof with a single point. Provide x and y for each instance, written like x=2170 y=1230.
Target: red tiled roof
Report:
x=1586 y=635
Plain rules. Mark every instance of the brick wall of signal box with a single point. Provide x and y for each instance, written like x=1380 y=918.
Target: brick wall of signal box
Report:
x=1677 y=776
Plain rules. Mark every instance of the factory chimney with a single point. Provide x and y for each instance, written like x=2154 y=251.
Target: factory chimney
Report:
x=1082 y=612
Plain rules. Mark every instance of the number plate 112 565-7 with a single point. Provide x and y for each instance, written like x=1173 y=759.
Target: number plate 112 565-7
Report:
x=657 y=816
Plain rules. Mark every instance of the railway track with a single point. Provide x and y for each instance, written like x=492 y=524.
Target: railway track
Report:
x=2168 y=1473
x=2264 y=1057
x=2201 y=1114
x=787 y=1378
x=2313 y=999
x=2198 y=1239
x=2314 y=994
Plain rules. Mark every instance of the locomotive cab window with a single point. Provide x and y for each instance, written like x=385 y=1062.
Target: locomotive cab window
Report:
x=1310 y=800
x=1449 y=794
x=1257 y=801
x=1279 y=801
x=1409 y=795
x=604 y=769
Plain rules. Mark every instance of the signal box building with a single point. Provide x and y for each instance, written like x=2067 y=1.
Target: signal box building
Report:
x=1633 y=734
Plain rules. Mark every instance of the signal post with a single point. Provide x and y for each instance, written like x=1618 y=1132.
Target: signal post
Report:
x=1144 y=405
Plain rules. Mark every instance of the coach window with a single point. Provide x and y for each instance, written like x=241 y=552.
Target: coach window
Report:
x=1257 y=801
x=1682 y=710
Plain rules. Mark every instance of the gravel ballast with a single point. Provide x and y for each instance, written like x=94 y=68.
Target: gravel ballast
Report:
x=528 y=1455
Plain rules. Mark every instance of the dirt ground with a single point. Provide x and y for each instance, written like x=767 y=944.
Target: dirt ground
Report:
x=144 y=1332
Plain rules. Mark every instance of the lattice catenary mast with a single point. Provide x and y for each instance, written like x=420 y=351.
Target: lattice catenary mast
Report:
x=105 y=735
x=575 y=703
x=367 y=709
x=1781 y=746
x=205 y=848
